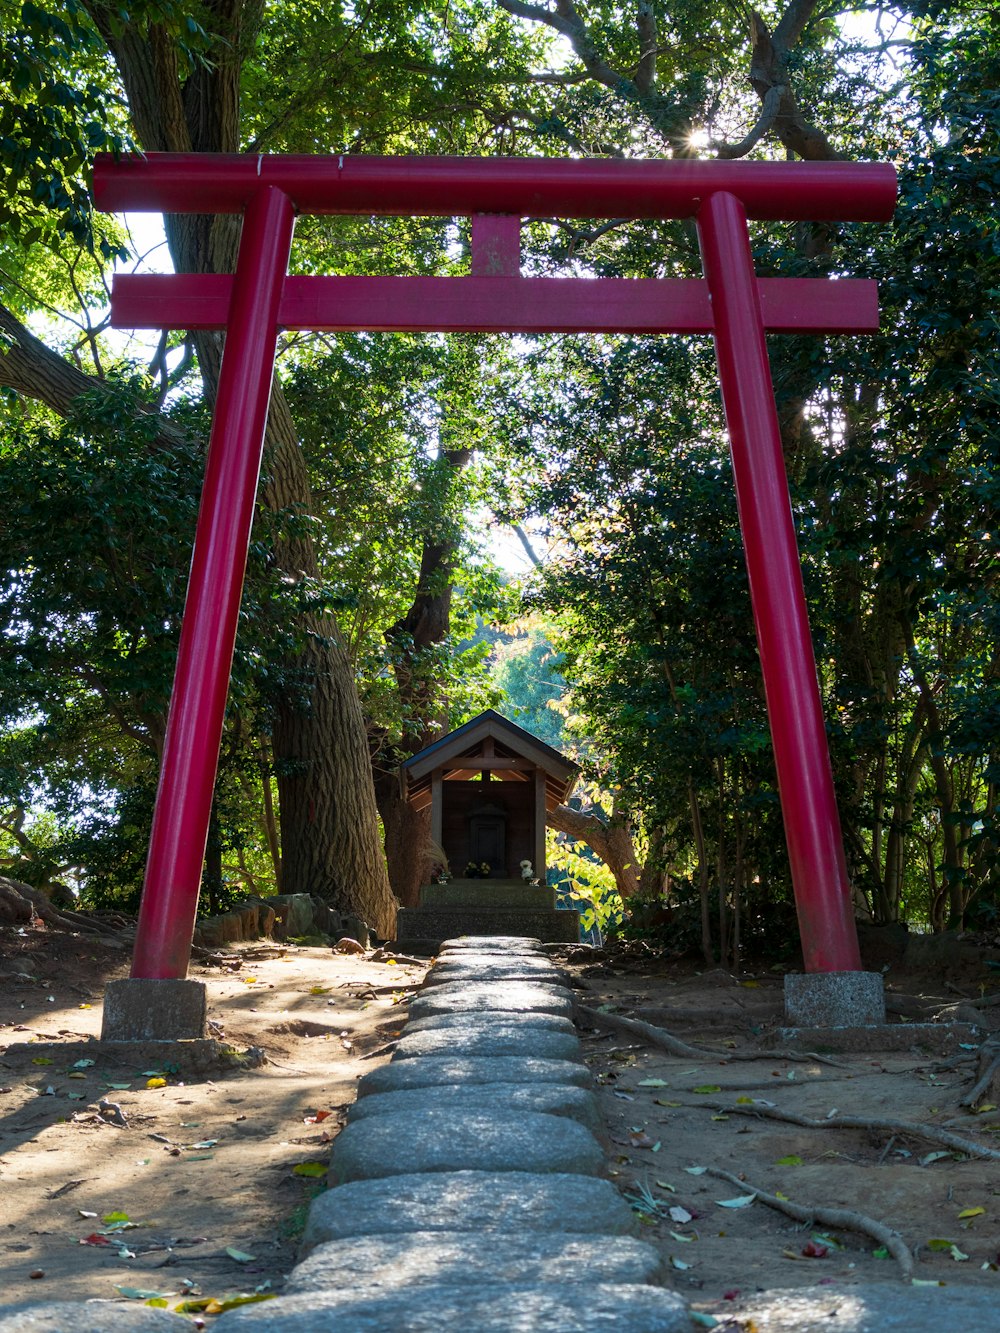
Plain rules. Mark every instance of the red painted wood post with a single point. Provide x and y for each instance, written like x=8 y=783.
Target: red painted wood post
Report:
x=208 y=635
x=812 y=825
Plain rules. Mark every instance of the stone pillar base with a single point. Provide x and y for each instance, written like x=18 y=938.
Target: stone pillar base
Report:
x=834 y=999
x=141 y=1009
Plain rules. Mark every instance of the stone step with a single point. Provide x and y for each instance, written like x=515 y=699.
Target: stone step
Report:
x=398 y=1262
x=484 y=1308
x=503 y=1100
x=433 y=1071
x=477 y=1201
x=445 y=1141
x=498 y=997
x=476 y=893
x=489 y=1038
x=482 y=1021
x=424 y=929
x=85 y=1317
x=490 y=974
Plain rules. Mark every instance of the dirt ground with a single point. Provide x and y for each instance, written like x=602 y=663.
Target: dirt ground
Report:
x=198 y=1186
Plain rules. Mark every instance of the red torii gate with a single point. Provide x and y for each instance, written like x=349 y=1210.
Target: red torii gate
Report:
x=731 y=303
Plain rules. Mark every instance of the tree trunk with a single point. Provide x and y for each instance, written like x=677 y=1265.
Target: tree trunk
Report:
x=611 y=841
x=407 y=832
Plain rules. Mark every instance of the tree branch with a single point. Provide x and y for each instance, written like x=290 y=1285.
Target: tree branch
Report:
x=768 y=115
x=31 y=368
x=565 y=20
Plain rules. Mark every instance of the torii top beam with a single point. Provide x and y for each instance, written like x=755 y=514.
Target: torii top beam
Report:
x=528 y=187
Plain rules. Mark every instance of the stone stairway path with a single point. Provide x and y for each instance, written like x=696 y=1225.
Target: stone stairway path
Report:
x=466 y=1188
x=467 y=1195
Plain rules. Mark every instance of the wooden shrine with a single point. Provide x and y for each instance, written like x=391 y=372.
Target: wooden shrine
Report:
x=489 y=786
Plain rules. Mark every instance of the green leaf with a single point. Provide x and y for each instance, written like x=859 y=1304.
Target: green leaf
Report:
x=312 y=1169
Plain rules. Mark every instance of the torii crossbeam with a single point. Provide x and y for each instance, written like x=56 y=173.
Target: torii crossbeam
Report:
x=730 y=302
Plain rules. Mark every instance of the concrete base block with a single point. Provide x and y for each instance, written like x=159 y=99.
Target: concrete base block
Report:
x=935 y=1038
x=834 y=999
x=197 y=1057
x=140 y=1009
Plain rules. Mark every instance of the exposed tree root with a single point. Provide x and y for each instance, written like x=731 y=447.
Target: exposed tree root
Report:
x=930 y=1133
x=844 y=1219
x=22 y=903
x=668 y=1042
x=974 y=1095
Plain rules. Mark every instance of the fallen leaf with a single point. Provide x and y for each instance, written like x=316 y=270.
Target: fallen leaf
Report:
x=110 y=1218
x=684 y=1239
x=940 y=1245
x=926 y=1282
x=139 y=1294
x=665 y=1185
x=957 y=1255
x=707 y=1088
x=248 y=981
x=318 y=1118
x=789 y=1161
x=981 y=1109
x=696 y=1170
x=813 y=1251
x=83 y=1064
x=41 y=1060
x=640 y=1140
x=880 y=1253
x=679 y=1263
x=95 y=1239
x=933 y=1157
x=679 y=1214
x=314 y=1169
x=971 y=1212
x=743 y=1201
x=319 y=990
x=156 y=1082
x=702 y=1320
x=652 y=1083
x=658 y=1101
x=240 y=1256
x=744 y=1101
